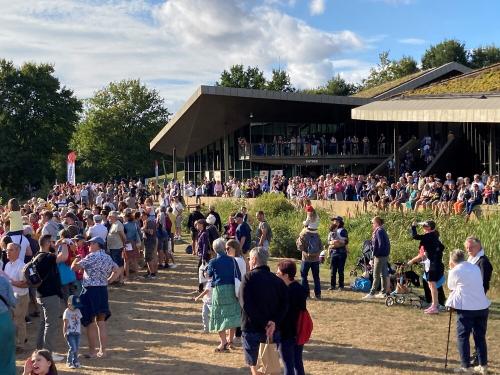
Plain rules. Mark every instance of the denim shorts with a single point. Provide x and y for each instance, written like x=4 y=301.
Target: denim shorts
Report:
x=116 y=255
x=251 y=342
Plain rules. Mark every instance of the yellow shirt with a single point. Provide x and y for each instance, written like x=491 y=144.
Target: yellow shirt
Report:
x=16 y=221
x=171 y=216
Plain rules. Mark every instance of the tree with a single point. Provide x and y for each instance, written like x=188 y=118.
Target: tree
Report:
x=484 y=56
x=280 y=81
x=388 y=70
x=37 y=118
x=442 y=53
x=335 y=86
x=120 y=121
x=237 y=76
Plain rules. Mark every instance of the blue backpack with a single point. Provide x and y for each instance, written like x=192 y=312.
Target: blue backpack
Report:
x=361 y=284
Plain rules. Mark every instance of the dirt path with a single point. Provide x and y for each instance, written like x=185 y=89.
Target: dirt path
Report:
x=156 y=329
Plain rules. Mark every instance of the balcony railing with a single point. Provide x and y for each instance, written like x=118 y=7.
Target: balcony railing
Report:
x=307 y=150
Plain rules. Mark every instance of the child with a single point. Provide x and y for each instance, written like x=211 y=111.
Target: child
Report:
x=15 y=217
x=207 y=304
x=71 y=330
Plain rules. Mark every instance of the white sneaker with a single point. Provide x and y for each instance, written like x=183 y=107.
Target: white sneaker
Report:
x=483 y=370
x=381 y=295
x=463 y=370
x=369 y=296
x=173 y=265
x=57 y=357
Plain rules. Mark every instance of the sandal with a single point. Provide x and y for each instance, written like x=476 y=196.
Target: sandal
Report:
x=221 y=350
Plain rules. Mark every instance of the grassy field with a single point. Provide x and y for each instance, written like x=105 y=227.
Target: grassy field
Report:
x=156 y=329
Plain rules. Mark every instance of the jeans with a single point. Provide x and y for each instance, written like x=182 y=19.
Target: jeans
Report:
x=205 y=315
x=337 y=265
x=380 y=271
x=49 y=320
x=291 y=355
x=475 y=322
x=73 y=340
x=304 y=271
x=469 y=206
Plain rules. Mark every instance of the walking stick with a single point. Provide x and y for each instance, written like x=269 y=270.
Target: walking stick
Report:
x=448 y=342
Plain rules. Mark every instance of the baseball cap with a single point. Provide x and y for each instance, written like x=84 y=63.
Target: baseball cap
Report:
x=98 y=240
x=75 y=302
x=338 y=218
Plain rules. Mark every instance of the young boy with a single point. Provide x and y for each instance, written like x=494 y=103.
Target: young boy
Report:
x=207 y=304
x=71 y=330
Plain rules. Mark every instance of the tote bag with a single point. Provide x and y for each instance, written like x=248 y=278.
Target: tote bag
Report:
x=268 y=362
x=304 y=327
x=237 y=281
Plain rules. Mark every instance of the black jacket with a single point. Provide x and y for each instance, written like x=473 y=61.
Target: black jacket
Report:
x=263 y=297
x=193 y=216
x=433 y=248
x=486 y=270
x=297 y=303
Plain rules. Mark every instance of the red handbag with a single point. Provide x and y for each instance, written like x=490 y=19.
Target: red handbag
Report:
x=304 y=327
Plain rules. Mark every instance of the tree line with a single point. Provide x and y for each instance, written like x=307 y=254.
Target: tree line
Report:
x=41 y=120
x=386 y=70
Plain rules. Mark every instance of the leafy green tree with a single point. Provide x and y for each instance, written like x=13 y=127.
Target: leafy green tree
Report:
x=335 y=86
x=447 y=51
x=37 y=119
x=388 y=70
x=484 y=56
x=113 y=138
x=237 y=76
x=280 y=81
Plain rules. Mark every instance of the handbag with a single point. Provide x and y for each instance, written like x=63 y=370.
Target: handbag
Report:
x=66 y=274
x=237 y=281
x=268 y=362
x=304 y=327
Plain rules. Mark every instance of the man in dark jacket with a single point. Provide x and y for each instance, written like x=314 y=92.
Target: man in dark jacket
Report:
x=381 y=250
x=264 y=301
x=192 y=218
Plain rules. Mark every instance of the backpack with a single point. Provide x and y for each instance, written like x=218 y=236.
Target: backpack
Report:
x=304 y=327
x=312 y=243
x=361 y=284
x=30 y=272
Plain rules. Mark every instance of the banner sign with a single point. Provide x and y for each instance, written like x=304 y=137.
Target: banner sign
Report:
x=277 y=172
x=71 y=178
x=264 y=175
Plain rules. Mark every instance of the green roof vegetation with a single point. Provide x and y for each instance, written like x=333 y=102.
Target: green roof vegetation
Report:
x=380 y=89
x=486 y=80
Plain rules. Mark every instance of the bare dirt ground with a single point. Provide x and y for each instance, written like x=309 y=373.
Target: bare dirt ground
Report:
x=156 y=329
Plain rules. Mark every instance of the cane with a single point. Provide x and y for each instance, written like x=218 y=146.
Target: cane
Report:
x=448 y=342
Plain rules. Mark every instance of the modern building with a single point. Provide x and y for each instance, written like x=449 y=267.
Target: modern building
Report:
x=228 y=132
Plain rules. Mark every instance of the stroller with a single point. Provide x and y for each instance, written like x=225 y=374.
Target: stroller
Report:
x=363 y=266
x=403 y=294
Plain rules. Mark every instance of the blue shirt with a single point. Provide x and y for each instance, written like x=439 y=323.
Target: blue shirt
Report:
x=7 y=293
x=243 y=230
x=222 y=270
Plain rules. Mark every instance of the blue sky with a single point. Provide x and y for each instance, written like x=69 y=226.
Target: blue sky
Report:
x=176 y=45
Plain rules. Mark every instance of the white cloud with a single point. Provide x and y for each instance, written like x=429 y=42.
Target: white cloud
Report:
x=412 y=41
x=317 y=7
x=174 y=46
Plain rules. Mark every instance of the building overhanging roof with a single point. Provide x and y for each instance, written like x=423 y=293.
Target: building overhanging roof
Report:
x=213 y=112
x=445 y=109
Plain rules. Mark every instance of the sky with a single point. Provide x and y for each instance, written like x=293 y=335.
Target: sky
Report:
x=174 y=46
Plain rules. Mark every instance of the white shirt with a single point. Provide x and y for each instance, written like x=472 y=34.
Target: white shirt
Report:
x=23 y=242
x=475 y=259
x=466 y=285
x=15 y=271
x=242 y=266
x=73 y=317
x=98 y=230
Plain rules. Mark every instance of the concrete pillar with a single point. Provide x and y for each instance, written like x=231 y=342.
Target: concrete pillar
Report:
x=174 y=163
x=226 y=157
x=396 y=151
x=492 y=150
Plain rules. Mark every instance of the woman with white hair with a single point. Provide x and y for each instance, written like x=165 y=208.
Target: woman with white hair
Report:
x=226 y=311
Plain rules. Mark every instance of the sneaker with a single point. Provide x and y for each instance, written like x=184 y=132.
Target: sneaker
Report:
x=77 y=364
x=369 y=296
x=483 y=370
x=341 y=289
x=57 y=357
x=463 y=370
x=70 y=365
x=381 y=296
x=441 y=308
x=173 y=265
x=147 y=276
x=432 y=310
x=318 y=296
x=152 y=276
x=332 y=288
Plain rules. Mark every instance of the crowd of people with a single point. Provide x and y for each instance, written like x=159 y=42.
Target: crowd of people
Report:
x=62 y=252
x=412 y=191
